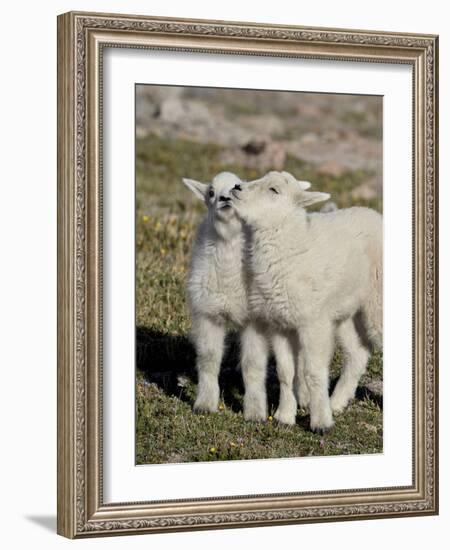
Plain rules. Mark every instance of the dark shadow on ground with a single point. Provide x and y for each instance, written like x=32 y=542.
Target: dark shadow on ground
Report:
x=362 y=392
x=164 y=359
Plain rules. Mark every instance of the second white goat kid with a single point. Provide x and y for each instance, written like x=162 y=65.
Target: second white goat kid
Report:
x=312 y=273
x=217 y=298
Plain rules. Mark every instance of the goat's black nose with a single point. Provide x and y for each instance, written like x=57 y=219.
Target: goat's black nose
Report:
x=237 y=187
x=224 y=199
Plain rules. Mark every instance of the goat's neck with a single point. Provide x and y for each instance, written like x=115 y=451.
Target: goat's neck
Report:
x=226 y=234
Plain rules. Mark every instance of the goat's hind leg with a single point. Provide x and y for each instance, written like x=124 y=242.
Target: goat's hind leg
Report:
x=355 y=357
x=209 y=343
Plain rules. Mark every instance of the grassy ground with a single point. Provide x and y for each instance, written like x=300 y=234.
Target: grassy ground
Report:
x=166 y=428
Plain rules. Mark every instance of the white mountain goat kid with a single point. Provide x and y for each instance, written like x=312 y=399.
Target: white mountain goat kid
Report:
x=217 y=299
x=310 y=274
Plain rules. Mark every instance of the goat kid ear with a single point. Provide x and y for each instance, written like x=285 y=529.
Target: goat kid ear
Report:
x=302 y=184
x=307 y=198
x=198 y=188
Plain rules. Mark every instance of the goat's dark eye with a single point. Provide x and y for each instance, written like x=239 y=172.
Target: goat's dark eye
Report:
x=211 y=193
x=238 y=187
x=274 y=190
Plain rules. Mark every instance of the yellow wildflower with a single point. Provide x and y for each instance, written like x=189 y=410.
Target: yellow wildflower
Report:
x=145 y=218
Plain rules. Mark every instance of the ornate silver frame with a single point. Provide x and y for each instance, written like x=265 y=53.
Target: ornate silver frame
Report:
x=81 y=38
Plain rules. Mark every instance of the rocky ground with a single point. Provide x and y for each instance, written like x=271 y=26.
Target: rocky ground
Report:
x=260 y=129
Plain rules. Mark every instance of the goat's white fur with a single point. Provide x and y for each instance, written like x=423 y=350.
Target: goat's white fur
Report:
x=216 y=294
x=311 y=274
x=217 y=299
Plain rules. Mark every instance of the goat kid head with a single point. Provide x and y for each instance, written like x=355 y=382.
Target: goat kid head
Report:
x=270 y=200
x=219 y=201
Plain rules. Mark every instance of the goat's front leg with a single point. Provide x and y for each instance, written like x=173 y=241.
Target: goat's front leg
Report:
x=254 y=355
x=209 y=344
x=317 y=341
x=285 y=359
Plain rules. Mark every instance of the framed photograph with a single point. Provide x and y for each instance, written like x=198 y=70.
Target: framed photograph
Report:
x=247 y=274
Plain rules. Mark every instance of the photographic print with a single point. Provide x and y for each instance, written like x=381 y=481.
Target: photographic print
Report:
x=259 y=274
